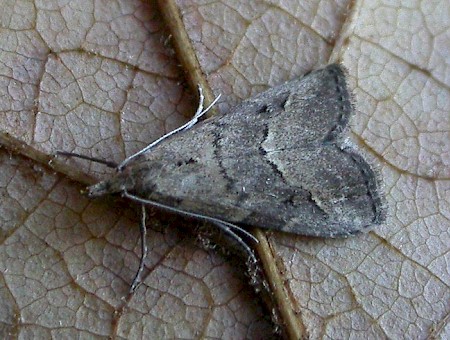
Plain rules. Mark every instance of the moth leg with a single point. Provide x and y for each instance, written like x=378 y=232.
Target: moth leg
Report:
x=144 y=250
x=198 y=114
x=189 y=214
x=89 y=158
x=226 y=229
x=229 y=228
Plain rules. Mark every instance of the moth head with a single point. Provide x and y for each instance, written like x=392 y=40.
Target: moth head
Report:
x=116 y=184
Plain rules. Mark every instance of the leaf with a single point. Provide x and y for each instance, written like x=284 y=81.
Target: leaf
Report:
x=100 y=78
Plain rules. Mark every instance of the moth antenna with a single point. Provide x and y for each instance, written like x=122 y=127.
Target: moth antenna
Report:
x=144 y=250
x=89 y=158
x=230 y=226
x=198 y=114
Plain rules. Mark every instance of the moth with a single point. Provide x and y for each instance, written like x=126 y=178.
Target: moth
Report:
x=278 y=161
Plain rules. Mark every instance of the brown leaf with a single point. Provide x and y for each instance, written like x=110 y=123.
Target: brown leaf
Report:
x=102 y=79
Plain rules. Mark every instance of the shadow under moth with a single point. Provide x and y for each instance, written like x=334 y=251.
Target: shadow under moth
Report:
x=278 y=161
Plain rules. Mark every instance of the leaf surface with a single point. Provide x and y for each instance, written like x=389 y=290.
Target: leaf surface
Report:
x=101 y=78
